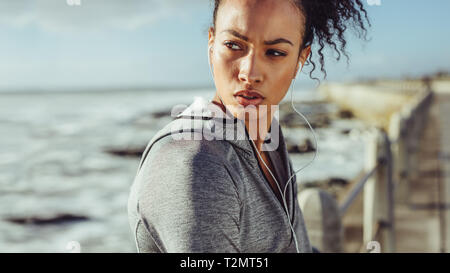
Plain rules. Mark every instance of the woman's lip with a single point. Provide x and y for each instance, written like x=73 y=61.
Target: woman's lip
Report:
x=248 y=93
x=245 y=102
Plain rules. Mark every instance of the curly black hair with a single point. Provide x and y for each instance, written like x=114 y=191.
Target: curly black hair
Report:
x=326 y=23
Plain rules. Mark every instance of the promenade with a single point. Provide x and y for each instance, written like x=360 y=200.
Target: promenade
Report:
x=421 y=191
x=422 y=217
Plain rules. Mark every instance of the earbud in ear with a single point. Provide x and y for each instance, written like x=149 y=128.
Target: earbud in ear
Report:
x=295 y=76
x=210 y=50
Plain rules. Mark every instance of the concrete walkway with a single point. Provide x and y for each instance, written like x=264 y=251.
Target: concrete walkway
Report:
x=422 y=223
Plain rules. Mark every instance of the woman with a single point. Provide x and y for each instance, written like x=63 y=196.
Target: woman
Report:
x=192 y=194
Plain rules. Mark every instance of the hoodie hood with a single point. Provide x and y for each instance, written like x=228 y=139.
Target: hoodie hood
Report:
x=205 y=120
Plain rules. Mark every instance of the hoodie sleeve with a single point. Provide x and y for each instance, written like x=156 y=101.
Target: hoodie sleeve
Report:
x=188 y=202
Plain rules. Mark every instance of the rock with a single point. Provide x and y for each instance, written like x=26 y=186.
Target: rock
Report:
x=305 y=147
x=293 y=120
x=56 y=219
x=332 y=185
x=336 y=181
x=321 y=121
x=161 y=114
x=151 y=119
x=317 y=112
x=126 y=152
x=345 y=114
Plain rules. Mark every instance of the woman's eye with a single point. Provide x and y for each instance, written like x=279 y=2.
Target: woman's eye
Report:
x=276 y=53
x=232 y=45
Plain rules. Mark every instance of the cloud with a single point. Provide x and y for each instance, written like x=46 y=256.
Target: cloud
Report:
x=91 y=15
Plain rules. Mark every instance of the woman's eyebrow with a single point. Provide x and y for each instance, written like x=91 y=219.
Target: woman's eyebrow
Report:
x=245 y=38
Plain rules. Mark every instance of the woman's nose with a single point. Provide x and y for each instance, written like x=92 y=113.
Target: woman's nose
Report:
x=249 y=71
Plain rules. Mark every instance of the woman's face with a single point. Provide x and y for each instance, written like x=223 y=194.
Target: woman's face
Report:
x=255 y=46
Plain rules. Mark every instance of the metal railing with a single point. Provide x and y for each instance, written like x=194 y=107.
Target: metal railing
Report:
x=391 y=162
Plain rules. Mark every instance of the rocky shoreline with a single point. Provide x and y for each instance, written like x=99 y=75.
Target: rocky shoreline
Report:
x=319 y=113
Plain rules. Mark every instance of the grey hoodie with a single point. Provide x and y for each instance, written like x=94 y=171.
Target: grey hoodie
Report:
x=193 y=194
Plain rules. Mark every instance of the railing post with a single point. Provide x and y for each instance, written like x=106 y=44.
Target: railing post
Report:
x=323 y=220
x=413 y=156
x=407 y=139
x=369 y=194
x=397 y=129
x=378 y=192
x=385 y=198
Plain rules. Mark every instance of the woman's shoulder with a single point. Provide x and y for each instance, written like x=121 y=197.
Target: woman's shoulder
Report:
x=182 y=167
x=178 y=139
x=189 y=150
x=186 y=157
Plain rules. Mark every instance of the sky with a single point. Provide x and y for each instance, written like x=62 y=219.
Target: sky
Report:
x=58 y=44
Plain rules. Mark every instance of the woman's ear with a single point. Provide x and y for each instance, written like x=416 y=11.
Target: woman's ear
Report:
x=210 y=37
x=302 y=59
